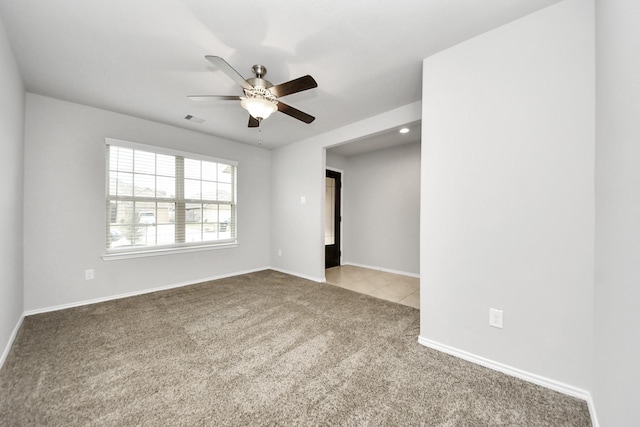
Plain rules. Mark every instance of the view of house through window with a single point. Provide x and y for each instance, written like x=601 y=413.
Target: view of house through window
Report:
x=161 y=198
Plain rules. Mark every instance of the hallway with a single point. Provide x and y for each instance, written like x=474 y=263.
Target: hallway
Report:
x=398 y=288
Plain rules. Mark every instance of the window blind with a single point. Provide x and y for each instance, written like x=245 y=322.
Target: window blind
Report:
x=159 y=198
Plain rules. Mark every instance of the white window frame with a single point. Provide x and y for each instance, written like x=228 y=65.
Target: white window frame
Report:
x=180 y=247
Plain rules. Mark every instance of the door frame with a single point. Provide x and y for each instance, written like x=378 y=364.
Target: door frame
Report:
x=341 y=222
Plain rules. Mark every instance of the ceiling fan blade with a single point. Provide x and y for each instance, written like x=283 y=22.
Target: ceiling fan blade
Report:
x=295 y=113
x=213 y=97
x=253 y=122
x=224 y=66
x=293 y=86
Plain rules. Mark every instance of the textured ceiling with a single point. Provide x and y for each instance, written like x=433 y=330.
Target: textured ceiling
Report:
x=144 y=57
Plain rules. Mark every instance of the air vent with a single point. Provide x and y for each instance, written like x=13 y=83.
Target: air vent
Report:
x=193 y=119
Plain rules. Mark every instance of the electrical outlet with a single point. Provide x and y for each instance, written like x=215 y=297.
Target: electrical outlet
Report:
x=495 y=318
x=89 y=274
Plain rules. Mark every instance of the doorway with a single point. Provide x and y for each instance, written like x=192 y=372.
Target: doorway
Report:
x=333 y=187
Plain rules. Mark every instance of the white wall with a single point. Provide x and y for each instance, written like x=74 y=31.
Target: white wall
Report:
x=297 y=228
x=336 y=161
x=299 y=170
x=11 y=168
x=617 y=291
x=381 y=195
x=507 y=195
x=65 y=206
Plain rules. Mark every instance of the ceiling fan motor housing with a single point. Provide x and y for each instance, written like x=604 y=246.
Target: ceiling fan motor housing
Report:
x=259 y=82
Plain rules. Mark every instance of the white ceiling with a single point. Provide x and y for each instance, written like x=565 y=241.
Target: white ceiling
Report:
x=387 y=139
x=143 y=57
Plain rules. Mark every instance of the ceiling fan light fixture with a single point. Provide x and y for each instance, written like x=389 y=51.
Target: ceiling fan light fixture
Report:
x=259 y=108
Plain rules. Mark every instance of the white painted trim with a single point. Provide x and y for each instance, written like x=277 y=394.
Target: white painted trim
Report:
x=155 y=251
x=592 y=411
x=140 y=292
x=386 y=270
x=303 y=276
x=515 y=372
x=12 y=338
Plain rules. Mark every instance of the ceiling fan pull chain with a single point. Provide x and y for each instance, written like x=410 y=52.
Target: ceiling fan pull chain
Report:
x=259 y=136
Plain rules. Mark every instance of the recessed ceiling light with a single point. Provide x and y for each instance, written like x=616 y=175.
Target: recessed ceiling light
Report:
x=404 y=130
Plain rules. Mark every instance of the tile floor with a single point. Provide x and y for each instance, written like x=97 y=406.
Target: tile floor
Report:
x=392 y=287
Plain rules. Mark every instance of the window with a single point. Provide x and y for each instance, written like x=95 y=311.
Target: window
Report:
x=161 y=199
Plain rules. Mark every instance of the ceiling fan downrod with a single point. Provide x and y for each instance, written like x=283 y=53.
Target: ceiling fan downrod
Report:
x=259 y=70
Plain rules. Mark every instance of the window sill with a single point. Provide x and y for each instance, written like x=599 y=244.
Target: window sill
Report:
x=142 y=253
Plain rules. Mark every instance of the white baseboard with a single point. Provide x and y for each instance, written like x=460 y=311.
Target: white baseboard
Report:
x=12 y=338
x=135 y=293
x=303 y=276
x=386 y=270
x=515 y=372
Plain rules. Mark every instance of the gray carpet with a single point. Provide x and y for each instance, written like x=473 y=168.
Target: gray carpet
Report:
x=258 y=349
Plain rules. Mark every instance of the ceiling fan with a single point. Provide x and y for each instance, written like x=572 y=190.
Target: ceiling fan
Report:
x=260 y=96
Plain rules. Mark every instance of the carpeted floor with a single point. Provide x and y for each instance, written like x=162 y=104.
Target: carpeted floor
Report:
x=258 y=349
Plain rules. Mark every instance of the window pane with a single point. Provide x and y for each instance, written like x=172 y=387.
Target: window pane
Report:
x=124 y=184
x=227 y=226
x=209 y=190
x=211 y=224
x=144 y=162
x=192 y=169
x=146 y=235
x=120 y=159
x=124 y=213
x=145 y=185
x=166 y=187
x=165 y=213
x=113 y=184
x=165 y=165
x=146 y=221
x=192 y=189
x=193 y=226
x=146 y=213
x=224 y=172
x=119 y=236
x=121 y=228
x=224 y=192
x=193 y=213
x=193 y=233
x=166 y=234
x=209 y=171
